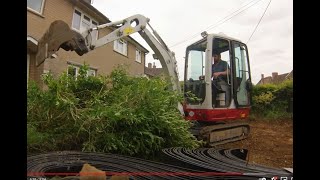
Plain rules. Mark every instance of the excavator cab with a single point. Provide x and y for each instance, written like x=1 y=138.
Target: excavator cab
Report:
x=231 y=100
x=233 y=88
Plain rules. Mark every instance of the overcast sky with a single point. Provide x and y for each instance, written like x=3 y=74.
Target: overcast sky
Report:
x=270 y=47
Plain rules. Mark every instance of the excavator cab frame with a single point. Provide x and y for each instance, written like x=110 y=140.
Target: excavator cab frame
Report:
x=233 y=99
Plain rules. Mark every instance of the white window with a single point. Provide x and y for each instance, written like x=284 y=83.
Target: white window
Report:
x=91 y=72
x=36 y=5
x=86 y=24
x=94 y=33
x=73 y=70
x=82 y=22
x=28 y=67
x=138 y=55
x=120 y=46
x=76 y=19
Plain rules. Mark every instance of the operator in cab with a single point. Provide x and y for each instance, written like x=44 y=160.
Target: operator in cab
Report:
x=220 y=69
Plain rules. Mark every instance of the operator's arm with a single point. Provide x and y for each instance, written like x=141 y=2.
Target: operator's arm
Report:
x=216 y=74
x=222 y=73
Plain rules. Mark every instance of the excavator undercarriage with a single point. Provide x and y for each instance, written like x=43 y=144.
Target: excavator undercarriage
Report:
x=221 y=133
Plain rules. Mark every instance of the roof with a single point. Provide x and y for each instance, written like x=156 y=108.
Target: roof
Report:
x=280 y=78
x=290 y=75
x=222 y=35
x=277 y=79
x=153 y=71
x=103 y=19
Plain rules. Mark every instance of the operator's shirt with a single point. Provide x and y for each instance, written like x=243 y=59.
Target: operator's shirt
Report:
x=220 y=66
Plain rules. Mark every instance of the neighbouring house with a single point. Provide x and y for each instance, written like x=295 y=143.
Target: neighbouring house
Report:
x=275 y=78
x=152 y=70
x=79 y=14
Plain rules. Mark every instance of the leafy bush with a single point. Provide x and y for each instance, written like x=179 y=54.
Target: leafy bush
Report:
x=272 y=101
x=115 y=113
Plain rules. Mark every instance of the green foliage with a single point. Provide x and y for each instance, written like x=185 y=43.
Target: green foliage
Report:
x=35 y=138
x=116 y=113
x=272 y=101
x=192 y=98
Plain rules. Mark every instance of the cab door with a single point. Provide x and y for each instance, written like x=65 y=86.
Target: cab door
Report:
x=242 y=78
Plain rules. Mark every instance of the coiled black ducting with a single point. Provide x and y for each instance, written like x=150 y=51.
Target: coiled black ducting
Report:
x=194 y=164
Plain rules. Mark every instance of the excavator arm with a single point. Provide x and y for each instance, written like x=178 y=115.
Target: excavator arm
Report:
x=59 y=35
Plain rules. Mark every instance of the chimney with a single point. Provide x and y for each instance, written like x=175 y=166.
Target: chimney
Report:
x=274 y=75
x=149 y=65
x=262 y=78
x=154 y=65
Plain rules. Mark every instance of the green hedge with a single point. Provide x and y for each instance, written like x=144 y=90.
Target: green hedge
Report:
x=272 y=101
x=115 y=113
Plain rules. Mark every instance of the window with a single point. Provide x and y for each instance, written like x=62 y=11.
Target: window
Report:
x=242 y=74
x=36 y=5
x=91 y=72
x=120 y=46
x=73 y=70
x=94 y=33
x=76 y=19
x=196 y=66
x=82 y=21
x=86 y=22
x=138 y=55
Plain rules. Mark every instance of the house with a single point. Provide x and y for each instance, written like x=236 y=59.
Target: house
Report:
x=152 y=70
x=79 y=14
x=275 y=78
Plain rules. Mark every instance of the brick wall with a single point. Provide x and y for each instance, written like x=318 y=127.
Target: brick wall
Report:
x=103 y=58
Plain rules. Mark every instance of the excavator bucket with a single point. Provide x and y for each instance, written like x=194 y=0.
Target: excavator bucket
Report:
x=59 y=35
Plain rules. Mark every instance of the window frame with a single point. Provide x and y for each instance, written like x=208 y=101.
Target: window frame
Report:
x=92 y=70
x=138 y=56
x=77 y=67
x=35 y=11
x=116 y=48
x=82 y=18
x=73 y=66
x=73 y=16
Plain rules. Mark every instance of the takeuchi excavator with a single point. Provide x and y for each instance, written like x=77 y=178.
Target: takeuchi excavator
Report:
x=214 y=123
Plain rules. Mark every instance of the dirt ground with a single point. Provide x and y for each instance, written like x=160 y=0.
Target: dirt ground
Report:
x=270 y=143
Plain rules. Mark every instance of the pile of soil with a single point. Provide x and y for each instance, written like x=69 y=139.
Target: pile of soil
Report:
x=270 y=143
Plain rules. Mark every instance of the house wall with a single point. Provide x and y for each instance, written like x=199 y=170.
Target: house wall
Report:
x=34 y=71
x=103 y=58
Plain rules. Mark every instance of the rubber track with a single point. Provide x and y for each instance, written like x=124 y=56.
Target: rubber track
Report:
x=208 y=129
